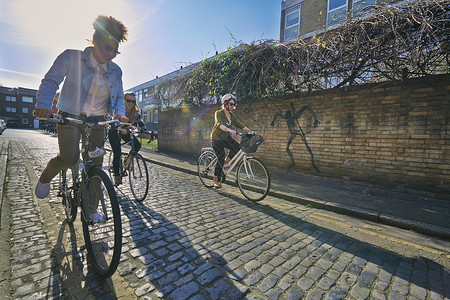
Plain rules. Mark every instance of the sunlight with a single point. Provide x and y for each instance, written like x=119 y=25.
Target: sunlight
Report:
x=59 y=24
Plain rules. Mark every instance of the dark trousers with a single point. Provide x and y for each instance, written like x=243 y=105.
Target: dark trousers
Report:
x=115 y=138
x=219 y=148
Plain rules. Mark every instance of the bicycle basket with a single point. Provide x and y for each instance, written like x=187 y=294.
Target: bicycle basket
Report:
x=250 y=142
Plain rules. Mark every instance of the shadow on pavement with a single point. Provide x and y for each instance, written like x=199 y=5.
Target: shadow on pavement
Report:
x=355 y=263
x=71 y=276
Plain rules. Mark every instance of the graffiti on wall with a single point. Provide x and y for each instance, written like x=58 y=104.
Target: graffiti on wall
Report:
x=295 y=130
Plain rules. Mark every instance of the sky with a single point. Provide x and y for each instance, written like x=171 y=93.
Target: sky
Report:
x=163 y=34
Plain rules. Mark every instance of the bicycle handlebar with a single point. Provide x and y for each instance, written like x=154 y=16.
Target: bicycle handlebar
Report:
x=127 y=125
x=242 y=133
x=62 y=120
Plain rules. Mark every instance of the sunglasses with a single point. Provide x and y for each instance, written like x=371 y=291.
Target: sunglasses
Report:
x=130 y=101
x=232 y=104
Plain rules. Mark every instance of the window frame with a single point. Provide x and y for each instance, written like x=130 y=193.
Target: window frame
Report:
x=27 y=97
x=292 y=10
x=365 y=3
x=337 y=10
x=11 y=99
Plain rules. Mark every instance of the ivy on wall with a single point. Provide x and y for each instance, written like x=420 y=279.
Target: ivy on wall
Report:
x=389 y=43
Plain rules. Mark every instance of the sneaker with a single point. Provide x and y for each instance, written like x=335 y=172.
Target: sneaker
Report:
x=42 y=189
x=96 y=153
x=96 y=217
x=117 y=180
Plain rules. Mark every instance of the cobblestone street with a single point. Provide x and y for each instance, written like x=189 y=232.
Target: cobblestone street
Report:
x=189 y=242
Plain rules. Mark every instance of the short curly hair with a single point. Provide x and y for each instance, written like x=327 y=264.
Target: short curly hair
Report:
x=109 y=28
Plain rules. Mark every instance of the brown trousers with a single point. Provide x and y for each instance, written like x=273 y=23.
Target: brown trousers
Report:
x=69 y=154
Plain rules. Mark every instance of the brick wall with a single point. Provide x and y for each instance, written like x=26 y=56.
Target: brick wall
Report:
x=394 y=135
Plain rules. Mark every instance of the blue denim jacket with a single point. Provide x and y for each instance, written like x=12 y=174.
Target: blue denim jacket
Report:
x=75 y=67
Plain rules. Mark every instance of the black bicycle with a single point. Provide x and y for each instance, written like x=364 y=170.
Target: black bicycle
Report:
x=86 y=185
x=132 y=166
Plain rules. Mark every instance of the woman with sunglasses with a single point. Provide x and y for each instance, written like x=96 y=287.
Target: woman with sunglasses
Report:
x=222 y=135
x=92 y=88
x=117 y=134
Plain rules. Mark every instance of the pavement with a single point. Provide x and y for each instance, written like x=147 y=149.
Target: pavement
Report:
x=189 y=242
x=412 y=210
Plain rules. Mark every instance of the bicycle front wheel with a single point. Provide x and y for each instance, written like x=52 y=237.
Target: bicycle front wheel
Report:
x=103 y=236
x=138 y=177
x=67 y=191
x=253 y=179
x=205 y=167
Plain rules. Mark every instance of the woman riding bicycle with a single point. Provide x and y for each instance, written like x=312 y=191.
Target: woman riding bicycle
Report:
x=92 y=88
x=117 y=133
x=222 y=135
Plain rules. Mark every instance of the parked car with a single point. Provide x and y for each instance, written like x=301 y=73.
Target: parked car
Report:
x=2 y=126
x=12 y=123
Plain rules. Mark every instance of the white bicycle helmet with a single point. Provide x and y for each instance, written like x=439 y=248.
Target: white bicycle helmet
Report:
x=227 y=97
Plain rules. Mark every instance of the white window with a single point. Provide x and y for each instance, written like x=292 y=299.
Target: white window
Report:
x=25 y=110
x=10 y=109
x=24 y=121
x=359 y=6
x=337 y=11
x=27 y=99
x=292 y=23
x=11 y=98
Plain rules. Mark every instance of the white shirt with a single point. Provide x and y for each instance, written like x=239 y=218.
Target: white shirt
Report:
x=97 y=99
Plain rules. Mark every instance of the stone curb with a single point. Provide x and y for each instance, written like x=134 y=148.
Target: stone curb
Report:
x=374 y=216
x=3 y=162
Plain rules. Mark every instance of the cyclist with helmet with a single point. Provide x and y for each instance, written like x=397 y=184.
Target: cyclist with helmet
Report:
x=222 y=135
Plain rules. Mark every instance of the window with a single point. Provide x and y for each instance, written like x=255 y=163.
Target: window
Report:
x=11 y=98
x=360 y=6
x=292 y=23
x=25 y=110
x=10 y=109
x=139 y=97
x=337 y=11
x=24 y=121
x=27 y=99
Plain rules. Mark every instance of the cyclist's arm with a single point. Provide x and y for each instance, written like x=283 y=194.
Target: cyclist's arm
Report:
x=121 y=118
x=225 y=128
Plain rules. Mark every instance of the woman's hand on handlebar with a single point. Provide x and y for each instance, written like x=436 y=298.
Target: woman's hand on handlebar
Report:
x=41 y=112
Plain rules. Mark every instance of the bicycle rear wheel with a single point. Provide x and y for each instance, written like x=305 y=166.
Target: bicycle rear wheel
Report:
x=67 y=191
x=205 y=167
x=138 y=177
x=253 y=179
x=103 y=239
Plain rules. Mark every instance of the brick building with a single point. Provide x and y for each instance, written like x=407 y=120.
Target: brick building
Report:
x=301 y=19
x=18 y=104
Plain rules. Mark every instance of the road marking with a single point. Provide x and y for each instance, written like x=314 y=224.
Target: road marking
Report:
x=400 y=241
x=329 y=219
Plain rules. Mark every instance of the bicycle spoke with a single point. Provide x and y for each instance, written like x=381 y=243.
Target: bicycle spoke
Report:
x=103 y=237
x=253 y=179
x=68 y=195
x=205 y=167
x=138 y=177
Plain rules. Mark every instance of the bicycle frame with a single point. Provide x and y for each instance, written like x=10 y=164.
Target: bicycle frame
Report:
x=240 y=155
x=88 y=162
